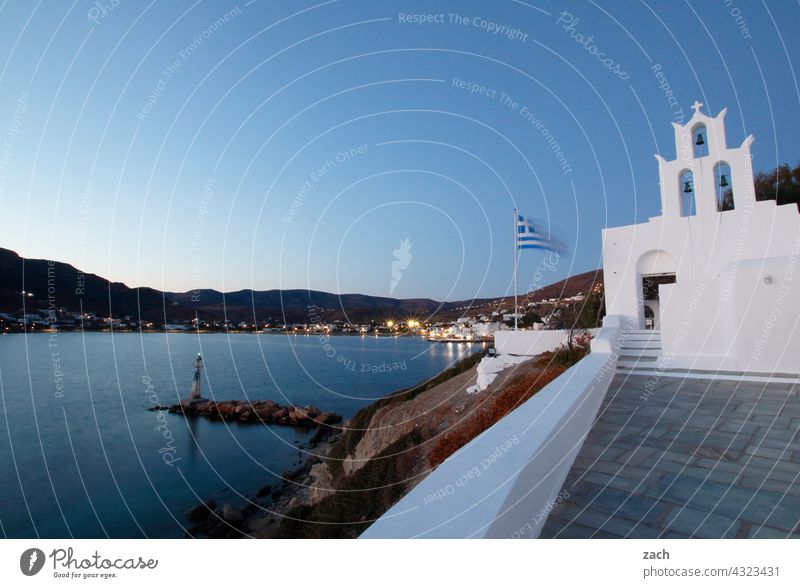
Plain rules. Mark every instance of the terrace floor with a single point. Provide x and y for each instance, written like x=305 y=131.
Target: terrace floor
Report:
x=699 y=458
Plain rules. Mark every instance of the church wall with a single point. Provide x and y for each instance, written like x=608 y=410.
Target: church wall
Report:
x=767 y=315
x=720 y=261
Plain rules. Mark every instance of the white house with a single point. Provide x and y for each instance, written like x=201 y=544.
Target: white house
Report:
x=720 y=269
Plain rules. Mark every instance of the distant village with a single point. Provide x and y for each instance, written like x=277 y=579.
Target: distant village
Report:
x=476 y=322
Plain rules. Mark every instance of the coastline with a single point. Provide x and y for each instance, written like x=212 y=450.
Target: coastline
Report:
x=376 y=457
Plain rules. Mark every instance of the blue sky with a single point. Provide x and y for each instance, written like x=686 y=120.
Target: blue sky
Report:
x=296 y=144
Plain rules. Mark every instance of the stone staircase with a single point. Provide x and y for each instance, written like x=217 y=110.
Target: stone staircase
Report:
x=639 y=350
x=640 y=355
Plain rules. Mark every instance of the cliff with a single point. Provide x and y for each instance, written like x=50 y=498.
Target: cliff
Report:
x=390 y=446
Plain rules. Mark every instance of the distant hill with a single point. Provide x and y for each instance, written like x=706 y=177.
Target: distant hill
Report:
x=71 y=288
x=302 y=306
x=569 y=286
x=75 y=290
x=577 y=284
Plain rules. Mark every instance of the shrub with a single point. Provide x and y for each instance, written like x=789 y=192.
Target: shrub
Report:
x=563 y=356
x=513 y=393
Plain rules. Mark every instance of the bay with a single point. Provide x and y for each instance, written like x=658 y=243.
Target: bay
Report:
x=81 y=456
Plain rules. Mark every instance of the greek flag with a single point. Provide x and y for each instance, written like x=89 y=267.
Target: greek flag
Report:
x=528 y=237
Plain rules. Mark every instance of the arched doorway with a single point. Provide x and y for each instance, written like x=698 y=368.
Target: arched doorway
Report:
x=654 y=268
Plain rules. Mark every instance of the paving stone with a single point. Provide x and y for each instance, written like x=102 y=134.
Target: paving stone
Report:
x=609 y=523
x=738 y=426
x=604 y=451
x=772 y=485
x=775 y=435
x=704 y=421
x=614 y=481
x=697 y=472
x=768 y=452
x=768 y=533
x=790 y=410
x=696 y=451
x=768 y=463
x=631 y=506
x=783 y=422
x=580 y=492
x=706 y=495
x=779 y=475
x=618 y=418
x=701 y=524
x=569 y=530
x=779 y=444
x=636 y=456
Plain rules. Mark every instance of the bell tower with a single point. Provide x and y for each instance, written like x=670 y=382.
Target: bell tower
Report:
x=706 y=178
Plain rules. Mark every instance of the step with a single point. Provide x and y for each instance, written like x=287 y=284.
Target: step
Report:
x=643 y=332
x=641 y=344
x=707 y=372
x=638 y=357
x=689 y=375
x=638 y=363
x=652 y=350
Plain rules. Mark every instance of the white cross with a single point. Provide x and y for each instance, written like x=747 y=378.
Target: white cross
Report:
x=697 y=106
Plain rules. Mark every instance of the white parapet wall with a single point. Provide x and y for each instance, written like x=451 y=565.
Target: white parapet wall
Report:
x=504 y=483
x=531 y=342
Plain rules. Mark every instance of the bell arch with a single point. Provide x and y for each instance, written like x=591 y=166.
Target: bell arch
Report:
x=723 y=182
x=688 y=202
x=699 y=140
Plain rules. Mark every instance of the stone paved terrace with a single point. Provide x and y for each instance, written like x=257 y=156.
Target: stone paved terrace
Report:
x=696 y=458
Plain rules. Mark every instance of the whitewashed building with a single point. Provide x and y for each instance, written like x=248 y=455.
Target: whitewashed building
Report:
x=717 y=272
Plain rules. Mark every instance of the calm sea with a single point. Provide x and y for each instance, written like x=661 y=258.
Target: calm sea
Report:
x=80 y=456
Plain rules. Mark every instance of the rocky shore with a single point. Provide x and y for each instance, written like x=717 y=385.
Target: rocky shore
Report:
x=358 y=469
x=256 y=411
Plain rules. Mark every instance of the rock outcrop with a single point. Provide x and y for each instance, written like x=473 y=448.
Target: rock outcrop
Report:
x=263 y=411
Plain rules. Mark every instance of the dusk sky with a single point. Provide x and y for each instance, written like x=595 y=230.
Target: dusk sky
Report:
x=292 y=144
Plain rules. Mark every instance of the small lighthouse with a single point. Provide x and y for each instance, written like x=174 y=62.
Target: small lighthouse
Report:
x=198 y=365
x=195 y=396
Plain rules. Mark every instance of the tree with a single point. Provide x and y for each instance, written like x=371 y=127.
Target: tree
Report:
x=781 y=185
x=529 y=318
x=592 y=311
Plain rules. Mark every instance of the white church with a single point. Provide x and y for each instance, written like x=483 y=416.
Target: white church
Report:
x=709 y=290
x=717 y=273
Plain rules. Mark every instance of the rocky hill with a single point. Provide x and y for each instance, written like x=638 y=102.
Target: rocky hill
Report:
x=54 y=284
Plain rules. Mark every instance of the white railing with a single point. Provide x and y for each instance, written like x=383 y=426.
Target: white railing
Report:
x=506 y=481
x=532 y=342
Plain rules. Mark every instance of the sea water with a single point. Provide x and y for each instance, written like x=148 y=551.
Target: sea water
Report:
x=81 y=456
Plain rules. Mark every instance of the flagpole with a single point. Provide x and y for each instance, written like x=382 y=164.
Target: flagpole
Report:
x=516 y=263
